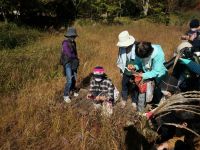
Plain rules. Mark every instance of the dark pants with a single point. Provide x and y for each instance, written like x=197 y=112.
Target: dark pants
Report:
x=128 y=86
x=187 y=80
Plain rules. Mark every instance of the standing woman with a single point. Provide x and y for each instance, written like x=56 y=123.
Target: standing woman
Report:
x=69 y=60
x=125 y=62
x=150 y=60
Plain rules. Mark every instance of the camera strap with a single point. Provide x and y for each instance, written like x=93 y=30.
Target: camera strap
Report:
x=176 y=60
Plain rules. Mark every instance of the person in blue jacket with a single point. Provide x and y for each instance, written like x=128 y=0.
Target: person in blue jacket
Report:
x=149 y=60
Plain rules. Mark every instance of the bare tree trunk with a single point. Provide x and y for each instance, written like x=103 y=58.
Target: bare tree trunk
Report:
x=4 y=15
x=145 y=5
x=120 y=6
x=76 y=5
x=5 y=18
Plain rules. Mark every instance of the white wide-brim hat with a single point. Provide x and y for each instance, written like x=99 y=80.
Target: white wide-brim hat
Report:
x=125 y=39
x=184 y=44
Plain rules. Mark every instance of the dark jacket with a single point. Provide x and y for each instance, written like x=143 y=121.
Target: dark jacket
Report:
x=68 y=52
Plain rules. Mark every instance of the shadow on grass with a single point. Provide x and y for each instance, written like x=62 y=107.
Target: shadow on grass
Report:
x=134 y=140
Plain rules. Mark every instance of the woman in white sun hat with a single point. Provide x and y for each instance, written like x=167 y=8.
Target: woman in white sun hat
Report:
x=125 y=62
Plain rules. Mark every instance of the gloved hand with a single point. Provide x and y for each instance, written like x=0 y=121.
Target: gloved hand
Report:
x=184 y=61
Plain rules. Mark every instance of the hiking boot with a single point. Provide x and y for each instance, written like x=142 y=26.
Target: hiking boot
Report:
x=76 y=94
x=67 y=99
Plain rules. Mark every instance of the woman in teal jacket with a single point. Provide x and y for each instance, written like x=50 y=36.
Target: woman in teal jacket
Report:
x=150 y=61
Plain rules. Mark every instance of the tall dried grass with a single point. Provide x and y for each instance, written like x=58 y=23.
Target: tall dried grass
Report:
x=33 y=115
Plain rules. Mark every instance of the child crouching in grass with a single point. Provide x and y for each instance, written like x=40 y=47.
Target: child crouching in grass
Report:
x=101 y=90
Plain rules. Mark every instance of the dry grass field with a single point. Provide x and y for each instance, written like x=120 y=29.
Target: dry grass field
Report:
x=32 y=112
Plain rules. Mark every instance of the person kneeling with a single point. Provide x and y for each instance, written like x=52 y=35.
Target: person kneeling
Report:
x=101 y=90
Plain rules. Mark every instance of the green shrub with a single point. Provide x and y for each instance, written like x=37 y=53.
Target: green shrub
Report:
x=122 y=20
x=12 y=36
x=160 y=18
x=180 y=18
x=31 y=63
x=83 y=22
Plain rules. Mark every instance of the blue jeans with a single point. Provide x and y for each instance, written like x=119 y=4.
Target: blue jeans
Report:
x=127 y=87
x=70 y=79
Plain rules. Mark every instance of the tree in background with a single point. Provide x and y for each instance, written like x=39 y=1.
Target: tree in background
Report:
x=6 y=8
x=145 y=5
x=78 y=5
x=107 y=9
x=49 y=12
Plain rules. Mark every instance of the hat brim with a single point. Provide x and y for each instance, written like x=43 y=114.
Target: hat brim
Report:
x=70 y=35
x=183 y=45
x=127 y=43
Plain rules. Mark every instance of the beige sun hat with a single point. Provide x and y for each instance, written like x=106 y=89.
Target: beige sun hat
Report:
x=125 y=39
x=184 y=44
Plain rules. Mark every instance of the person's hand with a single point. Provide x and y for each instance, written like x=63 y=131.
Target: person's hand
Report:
x=163 y=146
x=192 y=36
x=184 y=37
x=138 y=79
x=97 y=98
x=140 y=74
x=130 y=67
x=103 y=98
x=89 y=96
x=184 y=61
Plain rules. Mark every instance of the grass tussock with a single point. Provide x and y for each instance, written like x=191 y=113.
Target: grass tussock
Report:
x=12 y=36
x=32 y=113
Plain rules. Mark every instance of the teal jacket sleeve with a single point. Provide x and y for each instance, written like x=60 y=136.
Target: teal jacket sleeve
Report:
x=194 y=67
x=127 y=72
x=184 y=61
x=157 y=67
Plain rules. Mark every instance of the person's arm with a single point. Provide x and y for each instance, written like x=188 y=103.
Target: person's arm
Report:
x=110 y=90
x=157 y=67
x=193 y=66
x=92 y=86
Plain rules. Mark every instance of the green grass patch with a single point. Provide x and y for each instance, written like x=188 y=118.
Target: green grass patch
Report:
x=12 y=36
x=34 y=62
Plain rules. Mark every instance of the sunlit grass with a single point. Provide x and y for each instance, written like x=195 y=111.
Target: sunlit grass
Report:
x=32 y=113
